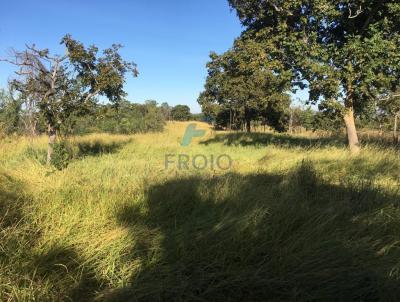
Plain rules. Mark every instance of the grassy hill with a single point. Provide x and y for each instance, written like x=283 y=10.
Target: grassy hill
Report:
x=296 y=218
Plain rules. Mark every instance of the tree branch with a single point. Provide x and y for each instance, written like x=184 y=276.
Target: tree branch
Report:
x=278 y=9
x=90 y=95
x=359 y=11
x=389 y=97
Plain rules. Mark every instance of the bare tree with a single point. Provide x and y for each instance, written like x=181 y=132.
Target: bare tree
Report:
x=56 y=86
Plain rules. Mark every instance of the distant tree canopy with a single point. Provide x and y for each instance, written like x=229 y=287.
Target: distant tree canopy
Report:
x=58 y=86
x=181 y=113
x=126 y=118
x=347 y=52
x=123 y=117
x=244 y=85
x=10 y=112
x=200 y=117
x=303 y=118
x=166 y=111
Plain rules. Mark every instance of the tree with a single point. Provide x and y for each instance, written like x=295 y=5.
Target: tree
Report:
x=302 y=117
x=346 y=51
x=181 y=113
x=166 y=111
x=390 y=106
x=10 y=112
x=63 y=85
x=244 y=82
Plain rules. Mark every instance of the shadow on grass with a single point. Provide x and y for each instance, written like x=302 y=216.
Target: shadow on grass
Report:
x=385 y=141
x=79 y=150
x=97 y=148
x=281 y=140
x=10 y=201
x=69 y=277
x=263 y=237
x=29 y=271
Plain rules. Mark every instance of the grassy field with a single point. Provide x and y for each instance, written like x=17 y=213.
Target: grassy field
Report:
x=296 y=218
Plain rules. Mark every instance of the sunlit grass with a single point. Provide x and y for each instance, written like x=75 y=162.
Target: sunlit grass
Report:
x=294 y=219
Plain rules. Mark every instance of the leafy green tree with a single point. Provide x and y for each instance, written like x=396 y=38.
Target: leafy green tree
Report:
x=153 y=117
x=327 y=121
x=10 y=112
x=68 y=84
x=166 y=111
x=151 y=103
x=303 y=117
x=345 y=51
x=390 y=108
x=200 y=117
x=181 y=113
x=246 y=83
x=126 y=118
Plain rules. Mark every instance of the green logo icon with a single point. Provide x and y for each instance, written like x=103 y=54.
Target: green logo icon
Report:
x=190 y=133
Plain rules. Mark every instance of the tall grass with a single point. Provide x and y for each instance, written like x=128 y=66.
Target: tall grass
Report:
x=295 y=219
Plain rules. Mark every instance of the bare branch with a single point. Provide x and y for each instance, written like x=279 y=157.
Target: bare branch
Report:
x=25 y=60
x=277 y=8
x=90 y=95
x=389 y=97
x=22 y=73
x=9 y=61
x=359 y=11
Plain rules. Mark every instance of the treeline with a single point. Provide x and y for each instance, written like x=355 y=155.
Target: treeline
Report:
x=18 y=117
x=59 y=94
x=242 y=88
x=328 y=120
x=244 y=91
x=128 y=118
x=345 y=54
x=302 y=118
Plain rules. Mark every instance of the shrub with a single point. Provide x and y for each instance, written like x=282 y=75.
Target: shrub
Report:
x=62 y=155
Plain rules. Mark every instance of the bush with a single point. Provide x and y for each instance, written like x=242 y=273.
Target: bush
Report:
x=62 y=155
x=181 y=113
x=127 y=118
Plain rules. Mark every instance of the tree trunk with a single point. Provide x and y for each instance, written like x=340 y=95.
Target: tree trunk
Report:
x=230 y=120
x=248 y=125
x=247 y=119
x=33 y=128
x=352 y=136
x=52 y=139
x=395 y=136
x=291 y=121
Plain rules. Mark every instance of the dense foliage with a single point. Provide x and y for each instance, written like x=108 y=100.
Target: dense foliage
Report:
x=345 y=52
x=126 y=118
x=181 y=113
x=10 y=109
x=243 y=86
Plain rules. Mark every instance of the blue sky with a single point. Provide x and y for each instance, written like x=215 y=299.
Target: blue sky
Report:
x=169 y=40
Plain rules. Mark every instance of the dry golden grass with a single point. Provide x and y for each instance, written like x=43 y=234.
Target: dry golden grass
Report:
x=115 y=218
